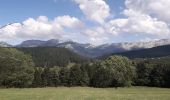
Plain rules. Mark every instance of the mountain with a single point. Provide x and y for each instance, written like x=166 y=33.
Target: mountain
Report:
x=87 y=50
x=82 y=49
x=160 y=51
x=92 y=51
x=51 y=43
x=31 y=43
x=4 y=44
x=39 y=43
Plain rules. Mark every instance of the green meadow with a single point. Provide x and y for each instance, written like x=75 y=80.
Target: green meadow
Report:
x=85 y=93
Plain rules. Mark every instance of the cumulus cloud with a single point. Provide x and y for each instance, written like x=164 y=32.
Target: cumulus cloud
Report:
x=9 y=31
x=40 y=28
x=94 y=10
x=62 y=27
x=145 y=17
x=96 y=35
x=70 y=22
x=138 y=23
x=157 y=8
x=142 y=17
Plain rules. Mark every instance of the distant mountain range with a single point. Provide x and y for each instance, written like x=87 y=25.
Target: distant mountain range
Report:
x=92 y=51
x=39 y=43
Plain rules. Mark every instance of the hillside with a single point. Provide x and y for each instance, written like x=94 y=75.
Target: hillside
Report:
x=159 y=51
x=52 y=56
x=156 y=60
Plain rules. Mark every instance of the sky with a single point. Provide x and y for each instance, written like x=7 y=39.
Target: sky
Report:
x=84 y=21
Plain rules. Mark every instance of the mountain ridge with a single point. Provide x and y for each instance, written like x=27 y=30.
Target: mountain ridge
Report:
x=159 y=51
x=93 y=51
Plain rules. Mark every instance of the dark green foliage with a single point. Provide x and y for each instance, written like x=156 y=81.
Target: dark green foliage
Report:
x=103 y=76
x=143 y=70
x=52 y=56
x=37 y=82
x=152 y=74
x=159 y=75
x=89 y=68
x=64 y=76
x=61 y=76
x=16 y=69
x=113 y=72
x=46 y=77
x=78 y=76
x=55 y=76
x=167 y=77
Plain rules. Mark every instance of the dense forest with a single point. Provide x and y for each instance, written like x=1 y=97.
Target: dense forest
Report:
x=41 y=67
x=53 y=56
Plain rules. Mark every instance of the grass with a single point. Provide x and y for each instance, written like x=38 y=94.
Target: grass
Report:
x=86 y=93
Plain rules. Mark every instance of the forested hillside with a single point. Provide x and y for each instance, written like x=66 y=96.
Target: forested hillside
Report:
x=160 y=51
x=52 y=56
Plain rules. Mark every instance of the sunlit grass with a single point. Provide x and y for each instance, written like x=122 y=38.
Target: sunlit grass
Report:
x=86 y=93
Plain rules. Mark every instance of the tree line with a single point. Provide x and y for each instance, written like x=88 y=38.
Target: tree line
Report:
x=18 y=70
x=155 y=74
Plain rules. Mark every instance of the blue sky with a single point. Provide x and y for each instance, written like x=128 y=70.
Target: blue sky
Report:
x=19 y=10
x=84 y=21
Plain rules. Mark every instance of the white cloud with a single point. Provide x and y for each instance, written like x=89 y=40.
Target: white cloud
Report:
x=146 y=17
x=137 y=22
x=94 y=10
x=157 y=8
x=70 y=22
x=9 y=31
x=41 y=28
x=143 y=17
x=96 y=35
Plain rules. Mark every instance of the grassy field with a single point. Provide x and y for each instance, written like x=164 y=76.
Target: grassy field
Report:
x=85 y=93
